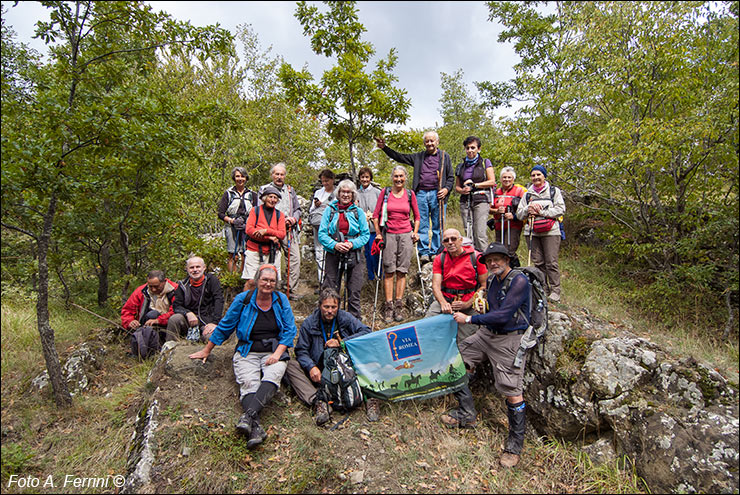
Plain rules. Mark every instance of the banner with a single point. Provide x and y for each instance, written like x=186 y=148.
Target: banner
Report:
x=416 y=360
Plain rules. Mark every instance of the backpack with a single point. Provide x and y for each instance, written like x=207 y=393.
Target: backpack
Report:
x=546 y=223
x=145 y=342
x=537 y=309
x=339 y=386
x=334 y=213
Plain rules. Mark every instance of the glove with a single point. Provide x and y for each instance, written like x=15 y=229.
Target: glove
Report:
x=377 y=247
x=480 y=304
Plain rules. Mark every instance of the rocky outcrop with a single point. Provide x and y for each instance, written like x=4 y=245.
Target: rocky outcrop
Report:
x=676 y=419
x=78 y=369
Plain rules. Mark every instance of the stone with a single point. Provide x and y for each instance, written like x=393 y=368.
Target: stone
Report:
x=601 y=452
x=357 y=477
x=676 y=419
x=78 y=369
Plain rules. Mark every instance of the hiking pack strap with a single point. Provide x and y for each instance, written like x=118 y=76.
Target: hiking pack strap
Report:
x=475 y=267
x=505 y=288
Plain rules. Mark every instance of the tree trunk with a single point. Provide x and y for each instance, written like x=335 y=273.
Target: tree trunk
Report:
x=126 y=262
x=58 y=383
x=104 y=258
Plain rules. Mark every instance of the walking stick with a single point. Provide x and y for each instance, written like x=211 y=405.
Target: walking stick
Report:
x=502 y=227
x=508 y=232
x=530 y=222
x=377 y=283
x=287 y=273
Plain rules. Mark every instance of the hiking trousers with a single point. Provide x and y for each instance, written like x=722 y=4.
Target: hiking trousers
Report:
x=545 y=251
x=302 y=385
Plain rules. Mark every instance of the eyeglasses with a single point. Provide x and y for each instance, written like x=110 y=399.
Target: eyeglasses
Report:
x=450 y=239
x=268 y=281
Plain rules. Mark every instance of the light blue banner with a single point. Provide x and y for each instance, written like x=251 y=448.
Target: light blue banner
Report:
x=416 y=360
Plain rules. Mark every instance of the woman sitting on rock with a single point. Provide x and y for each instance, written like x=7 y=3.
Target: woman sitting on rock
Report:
x=265 y=328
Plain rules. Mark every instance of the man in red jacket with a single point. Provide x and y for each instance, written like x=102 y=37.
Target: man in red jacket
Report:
x=150 y=304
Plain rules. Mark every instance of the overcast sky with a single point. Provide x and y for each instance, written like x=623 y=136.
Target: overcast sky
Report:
x=429 y=37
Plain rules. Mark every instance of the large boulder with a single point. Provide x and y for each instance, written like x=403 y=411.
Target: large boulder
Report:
x=676 y=419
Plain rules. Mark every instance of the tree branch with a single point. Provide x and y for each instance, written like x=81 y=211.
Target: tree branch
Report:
x=22 y=231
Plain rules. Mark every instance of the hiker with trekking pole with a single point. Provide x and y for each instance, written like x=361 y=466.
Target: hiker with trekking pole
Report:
x=392 y=220
x=432 y=182
x=543 y=207
x=508 y=228
x=291 y=209
x=475 y=180
x=343 y=233
x=457 y=274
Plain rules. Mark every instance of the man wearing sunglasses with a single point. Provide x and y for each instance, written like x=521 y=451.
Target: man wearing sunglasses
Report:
x=456 y=275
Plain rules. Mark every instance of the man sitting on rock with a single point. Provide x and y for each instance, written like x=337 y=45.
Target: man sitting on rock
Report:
x=323 y=328
x=498 y=340
x=456 y=274
x=198 y=303
x=150 y=304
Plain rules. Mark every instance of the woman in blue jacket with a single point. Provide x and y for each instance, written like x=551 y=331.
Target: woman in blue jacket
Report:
x=265 y=327
x=343 y=233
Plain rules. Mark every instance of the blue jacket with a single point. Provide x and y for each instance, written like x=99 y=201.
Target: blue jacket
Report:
x=310 y=346
x=502 y=315
x=358 y=233
x=242 y=314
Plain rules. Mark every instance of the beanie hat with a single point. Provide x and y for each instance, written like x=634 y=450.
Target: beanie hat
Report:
x=540 y=168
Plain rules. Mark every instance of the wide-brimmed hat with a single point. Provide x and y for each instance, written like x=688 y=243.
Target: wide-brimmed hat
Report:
x=494 y=248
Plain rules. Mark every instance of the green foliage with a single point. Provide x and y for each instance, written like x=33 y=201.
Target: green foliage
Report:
x=16 y=459
x=635 y=114
x=356 y=104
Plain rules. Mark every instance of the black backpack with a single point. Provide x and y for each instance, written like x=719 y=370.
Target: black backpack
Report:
x=145 y=342
x=339 y=386
x=537 y=309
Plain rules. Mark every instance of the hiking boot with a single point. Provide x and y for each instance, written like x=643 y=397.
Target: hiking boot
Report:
x=372 y=408
x=321 y=412
x=257 y=436
x=398 y=313
x=554 y=297
x=509 y=460
x=388 y=311
x=455 y=419
x=244 y=425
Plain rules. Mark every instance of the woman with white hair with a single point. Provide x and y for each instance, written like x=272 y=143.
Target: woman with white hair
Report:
x=343 y=233
x=265 y=329
x=507 y=226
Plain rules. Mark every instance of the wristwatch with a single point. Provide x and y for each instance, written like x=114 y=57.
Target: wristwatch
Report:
x=468 y=318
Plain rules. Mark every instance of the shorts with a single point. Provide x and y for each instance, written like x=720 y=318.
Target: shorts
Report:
x=231 y=245
x=250 y=371
x=252 y=263
x=397 y=253
x=500 y=351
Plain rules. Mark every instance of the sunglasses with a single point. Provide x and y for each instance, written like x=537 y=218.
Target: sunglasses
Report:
x=450 y=239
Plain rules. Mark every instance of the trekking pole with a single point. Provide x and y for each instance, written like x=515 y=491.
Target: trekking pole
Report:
x=508 y=231
x=530 y=222
x=287 y=272
x=377 y=284
x=502 y=227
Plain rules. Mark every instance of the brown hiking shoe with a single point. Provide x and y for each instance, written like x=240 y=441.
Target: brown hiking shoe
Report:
x=388 y=311
x=321 y=412
x=398 y=312
x=451 y=420
x=372 y=408
x=509 y=460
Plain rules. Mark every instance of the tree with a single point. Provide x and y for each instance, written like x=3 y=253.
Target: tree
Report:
x=635 y=105
x=354 y=103
x=88 y=114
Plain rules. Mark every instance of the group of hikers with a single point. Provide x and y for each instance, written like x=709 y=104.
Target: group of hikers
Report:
x=476 y=282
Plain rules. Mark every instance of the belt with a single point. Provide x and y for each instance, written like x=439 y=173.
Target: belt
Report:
x=504 y=332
